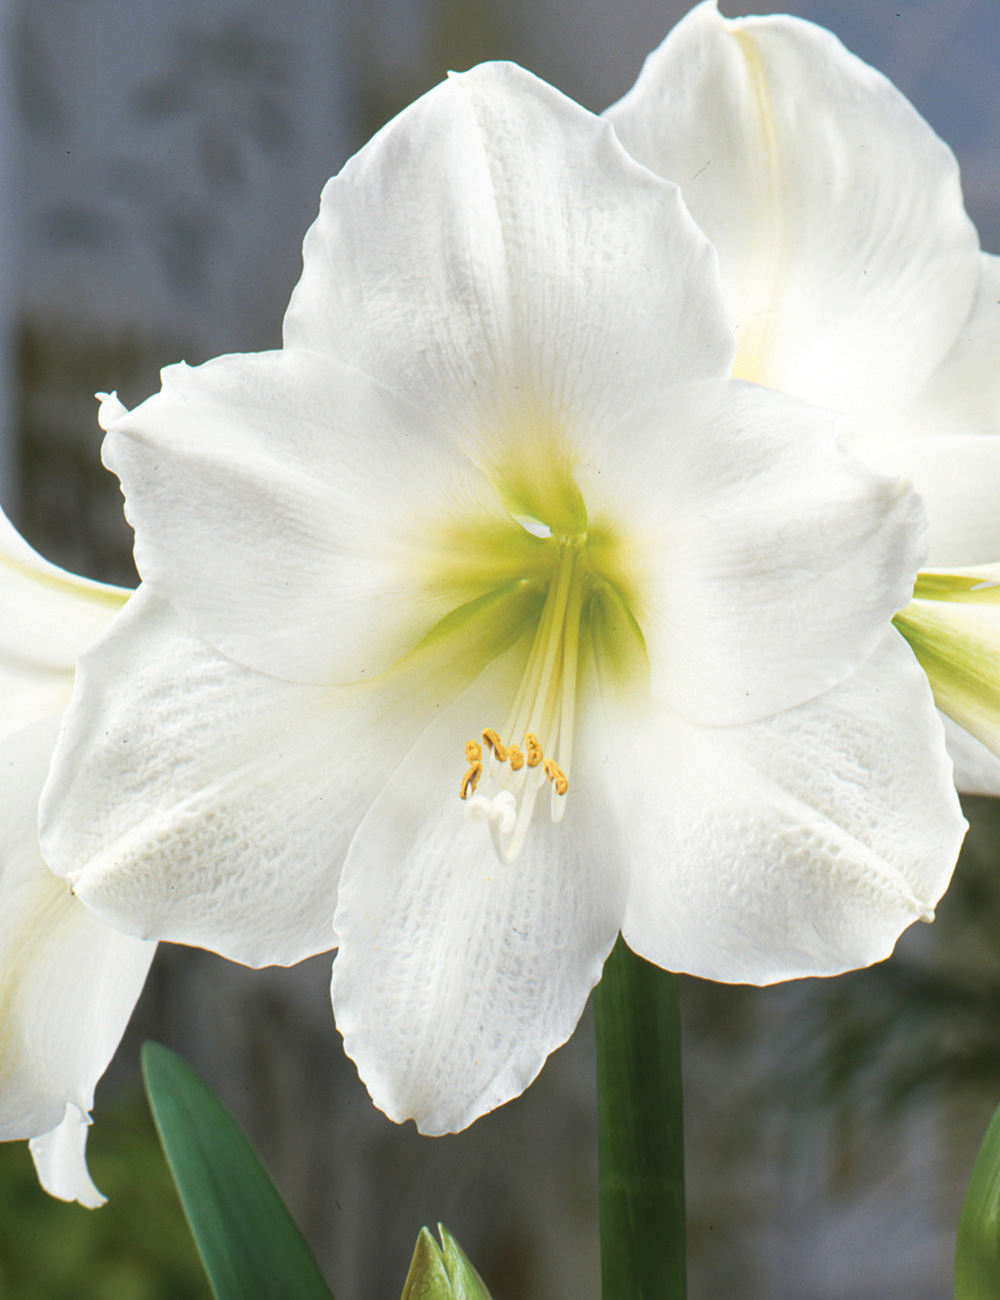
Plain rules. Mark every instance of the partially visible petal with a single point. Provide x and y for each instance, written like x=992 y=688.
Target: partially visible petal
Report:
x=953 y=627
x=958 y=476
x=303 y=519
x=50 y=616
x=801 y=845
x=963 y=393
x=61 y=1160
x=195 y=800
x=977 y=769
x=495 y=253
x=847 y=258
x=457 y=974
x=761 y=562
x=68 y=982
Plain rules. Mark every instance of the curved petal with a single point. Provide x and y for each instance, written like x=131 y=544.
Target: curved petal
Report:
x=457 y=973
x=67 y=988
x=193 y=799
x=761 y=562
x=51 y=616
x=963 y=393
x=958 y=476
x=303 y=519
x=977 y=769
x=802 y=845
x=847 y=259
x=61 y=1160
x=495 y=254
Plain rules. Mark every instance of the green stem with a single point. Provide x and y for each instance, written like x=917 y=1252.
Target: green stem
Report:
x=640 y=1130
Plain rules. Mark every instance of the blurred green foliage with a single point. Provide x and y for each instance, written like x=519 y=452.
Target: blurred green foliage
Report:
x=136 y=1247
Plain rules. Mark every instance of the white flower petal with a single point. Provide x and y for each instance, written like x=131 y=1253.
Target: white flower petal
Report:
x=958 y=475
x=977 y=769
x=51 y=615
x=847 y=258
x=963 y=393
x=797 y=846
x=303 y=519
x=68 y=982
x=761 y=562
x=496 y=254
x=196 y=800
x=61 y=1160
x=458 y=974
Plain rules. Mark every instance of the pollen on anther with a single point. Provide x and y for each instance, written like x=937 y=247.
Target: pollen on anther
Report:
x=515 y=758
x=533 y=748
x=473 y=751
x=471 y=778
x=492 y=740
x=556 y=775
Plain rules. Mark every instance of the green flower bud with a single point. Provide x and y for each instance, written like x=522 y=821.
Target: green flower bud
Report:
x=442 y=1273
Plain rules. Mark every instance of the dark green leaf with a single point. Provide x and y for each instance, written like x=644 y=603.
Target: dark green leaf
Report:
x=249 y=1244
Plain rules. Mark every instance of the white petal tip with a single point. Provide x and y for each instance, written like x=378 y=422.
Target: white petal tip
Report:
x=111 y=410
x=61 y=1161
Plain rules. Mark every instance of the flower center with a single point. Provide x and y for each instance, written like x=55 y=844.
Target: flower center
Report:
x=536 y=742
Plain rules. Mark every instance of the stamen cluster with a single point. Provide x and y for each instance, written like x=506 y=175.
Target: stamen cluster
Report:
x=533 y=757
x=541 y=716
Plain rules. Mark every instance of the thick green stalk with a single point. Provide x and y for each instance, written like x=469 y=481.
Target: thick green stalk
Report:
x=640 y=1130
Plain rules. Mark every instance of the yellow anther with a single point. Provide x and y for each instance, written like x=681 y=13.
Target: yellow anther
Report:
x=516 y=758
x=471 y=779
x=493 y=741
x=556 y=775
x=474 y=757
x=534 y=749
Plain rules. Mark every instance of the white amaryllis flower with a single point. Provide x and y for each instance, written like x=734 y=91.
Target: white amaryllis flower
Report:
x=489 y=617
x=68 y=982
x=851 y=271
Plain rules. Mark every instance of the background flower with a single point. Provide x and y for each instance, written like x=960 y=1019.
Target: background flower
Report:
x=852 y=274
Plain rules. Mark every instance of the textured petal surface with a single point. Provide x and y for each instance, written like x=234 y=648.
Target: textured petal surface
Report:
x=496 y=254
x=51 y=615
x=847 y=258
x=458 y=974
x=761 y=562
x=796 y=846
x=68 y=983
x=193 y=799
x=61 y=1160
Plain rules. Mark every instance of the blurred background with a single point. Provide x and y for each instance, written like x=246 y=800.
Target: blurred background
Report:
x=159 y=165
